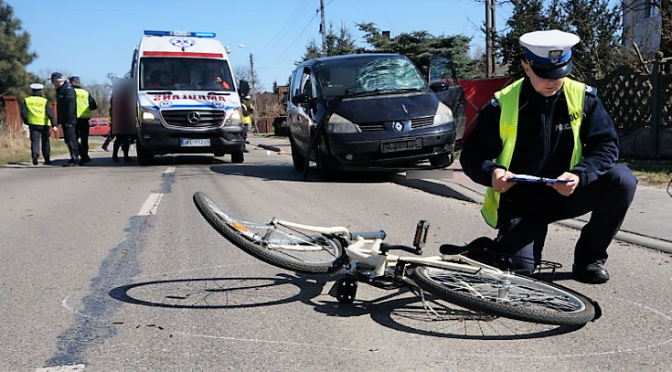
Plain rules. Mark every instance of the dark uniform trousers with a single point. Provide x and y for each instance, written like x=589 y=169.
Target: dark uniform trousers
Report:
x=40 y=133
x=523 y=226
x=82 y=132
x=70 y=138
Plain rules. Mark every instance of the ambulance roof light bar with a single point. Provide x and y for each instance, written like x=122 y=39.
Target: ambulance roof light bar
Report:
x=180 y=33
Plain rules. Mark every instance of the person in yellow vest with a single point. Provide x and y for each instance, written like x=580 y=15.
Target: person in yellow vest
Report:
x=85 y=104
x=549 y=125
x=248 y=110
x=37 y=114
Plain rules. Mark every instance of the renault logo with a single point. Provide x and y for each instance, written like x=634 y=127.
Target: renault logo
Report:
x=194 y=117
x=397 y=126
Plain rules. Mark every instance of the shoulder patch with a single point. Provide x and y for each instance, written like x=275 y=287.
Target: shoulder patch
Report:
x=591 y=90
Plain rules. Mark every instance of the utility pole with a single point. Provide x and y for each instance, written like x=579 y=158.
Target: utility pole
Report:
x=323 y=30
x=254 y=95
x=490 y=38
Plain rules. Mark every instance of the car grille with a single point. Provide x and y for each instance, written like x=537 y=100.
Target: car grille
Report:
x=380 y=126
x=206 y=118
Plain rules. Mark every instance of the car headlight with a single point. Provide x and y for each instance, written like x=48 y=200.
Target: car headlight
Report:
x=149 y=115
x=443 y=114
x=235 y=119
x=339 y=124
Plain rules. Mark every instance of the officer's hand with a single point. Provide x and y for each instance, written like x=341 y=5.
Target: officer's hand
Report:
x=566 y=188
x=499 y=180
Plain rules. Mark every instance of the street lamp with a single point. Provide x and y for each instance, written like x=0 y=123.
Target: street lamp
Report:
x=254 y=96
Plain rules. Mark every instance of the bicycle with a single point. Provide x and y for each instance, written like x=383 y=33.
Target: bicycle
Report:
x=364 y=257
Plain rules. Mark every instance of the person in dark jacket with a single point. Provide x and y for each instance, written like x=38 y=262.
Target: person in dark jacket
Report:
x=85 y=104
x=37 y=114
x=121 y=116
x=66 y=112
x=548 y=125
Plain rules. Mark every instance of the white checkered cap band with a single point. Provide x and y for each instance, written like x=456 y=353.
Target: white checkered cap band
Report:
x=550 y=44
x=36 y=86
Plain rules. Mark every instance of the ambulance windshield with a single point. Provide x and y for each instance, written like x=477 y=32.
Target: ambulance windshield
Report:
x=185 y=74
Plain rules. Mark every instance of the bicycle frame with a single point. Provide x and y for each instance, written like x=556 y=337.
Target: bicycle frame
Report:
x=357 y=251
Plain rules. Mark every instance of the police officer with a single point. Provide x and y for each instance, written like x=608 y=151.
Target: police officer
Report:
x=85 y=103
x=37 y=114
x=551 y=126
x=248 y=110
x=66 y=115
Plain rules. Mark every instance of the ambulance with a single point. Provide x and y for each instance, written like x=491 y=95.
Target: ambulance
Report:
x=187 y=97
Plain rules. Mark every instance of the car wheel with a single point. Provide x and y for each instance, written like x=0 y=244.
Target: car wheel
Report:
x=237 y=157
x=443 y=160
x=298 y=160
x=322 y=161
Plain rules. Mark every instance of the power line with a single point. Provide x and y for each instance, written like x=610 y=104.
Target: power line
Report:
x=276 y=41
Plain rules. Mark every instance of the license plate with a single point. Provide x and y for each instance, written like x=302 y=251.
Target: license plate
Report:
x=405 y=145
x=200 y=142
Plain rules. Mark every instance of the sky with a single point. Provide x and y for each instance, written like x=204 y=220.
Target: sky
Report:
x=92 y=38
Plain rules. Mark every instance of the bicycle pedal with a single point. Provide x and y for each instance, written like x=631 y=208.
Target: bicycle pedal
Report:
x=420 y=237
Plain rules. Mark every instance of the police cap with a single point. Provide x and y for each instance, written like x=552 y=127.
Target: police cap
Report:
x=36 y=86
x=56 y=75
x=549 y=52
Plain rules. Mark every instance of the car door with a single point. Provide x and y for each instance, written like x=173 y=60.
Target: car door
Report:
x=442 y=73
x=301 y=115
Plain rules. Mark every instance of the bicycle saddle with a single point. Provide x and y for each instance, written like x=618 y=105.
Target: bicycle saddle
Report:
x=482 y=243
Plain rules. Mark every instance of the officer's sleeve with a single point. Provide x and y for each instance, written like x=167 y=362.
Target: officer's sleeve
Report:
x=50 y=115
x=92 y=103
x=71 y=115
x=599 y=140
x=482 y=145
x=24 y=112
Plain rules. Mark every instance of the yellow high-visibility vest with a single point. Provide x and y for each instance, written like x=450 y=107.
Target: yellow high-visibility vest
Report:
x=508 y=132
x=37 y=110
x=247 y=119
x=83 y=109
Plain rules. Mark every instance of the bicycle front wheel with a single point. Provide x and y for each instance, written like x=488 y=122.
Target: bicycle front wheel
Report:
x=508 y=295
x=273 y=243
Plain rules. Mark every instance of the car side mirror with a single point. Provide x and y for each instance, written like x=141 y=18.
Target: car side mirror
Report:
x=300 y=99
x=438 y=86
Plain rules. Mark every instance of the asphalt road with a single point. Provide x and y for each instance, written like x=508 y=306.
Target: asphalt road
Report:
x=111 y=268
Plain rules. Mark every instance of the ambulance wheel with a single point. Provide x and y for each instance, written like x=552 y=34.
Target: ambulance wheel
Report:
x=144 y=157
x=237 y=157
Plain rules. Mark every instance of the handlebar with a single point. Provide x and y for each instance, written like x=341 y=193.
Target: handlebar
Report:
x=369 y=235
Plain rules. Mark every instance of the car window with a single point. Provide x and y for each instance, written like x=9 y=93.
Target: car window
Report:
x=369 y=74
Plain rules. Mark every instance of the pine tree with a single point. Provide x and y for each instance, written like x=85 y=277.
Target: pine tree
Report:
x=14 y=54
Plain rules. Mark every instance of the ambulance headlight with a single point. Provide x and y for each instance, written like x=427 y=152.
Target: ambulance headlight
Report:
x=149 y=115
x=235 y=119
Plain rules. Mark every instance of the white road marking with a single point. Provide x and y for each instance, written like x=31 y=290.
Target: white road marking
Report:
x=150 y=205
x=169 y=170
x=72 y=368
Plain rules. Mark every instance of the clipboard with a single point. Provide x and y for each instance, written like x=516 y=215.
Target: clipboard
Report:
x=535 y=179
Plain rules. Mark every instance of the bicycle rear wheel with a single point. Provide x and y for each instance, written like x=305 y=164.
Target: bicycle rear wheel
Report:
x=273 y=243
x=508 y=295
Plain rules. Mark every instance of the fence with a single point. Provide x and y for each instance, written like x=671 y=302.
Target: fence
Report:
x=641 y=107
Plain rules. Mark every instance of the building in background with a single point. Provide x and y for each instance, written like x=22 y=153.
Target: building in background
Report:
x=642 y=25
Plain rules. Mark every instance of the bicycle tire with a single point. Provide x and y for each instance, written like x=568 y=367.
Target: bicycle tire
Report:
x=527 y=299
x=282 y=247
